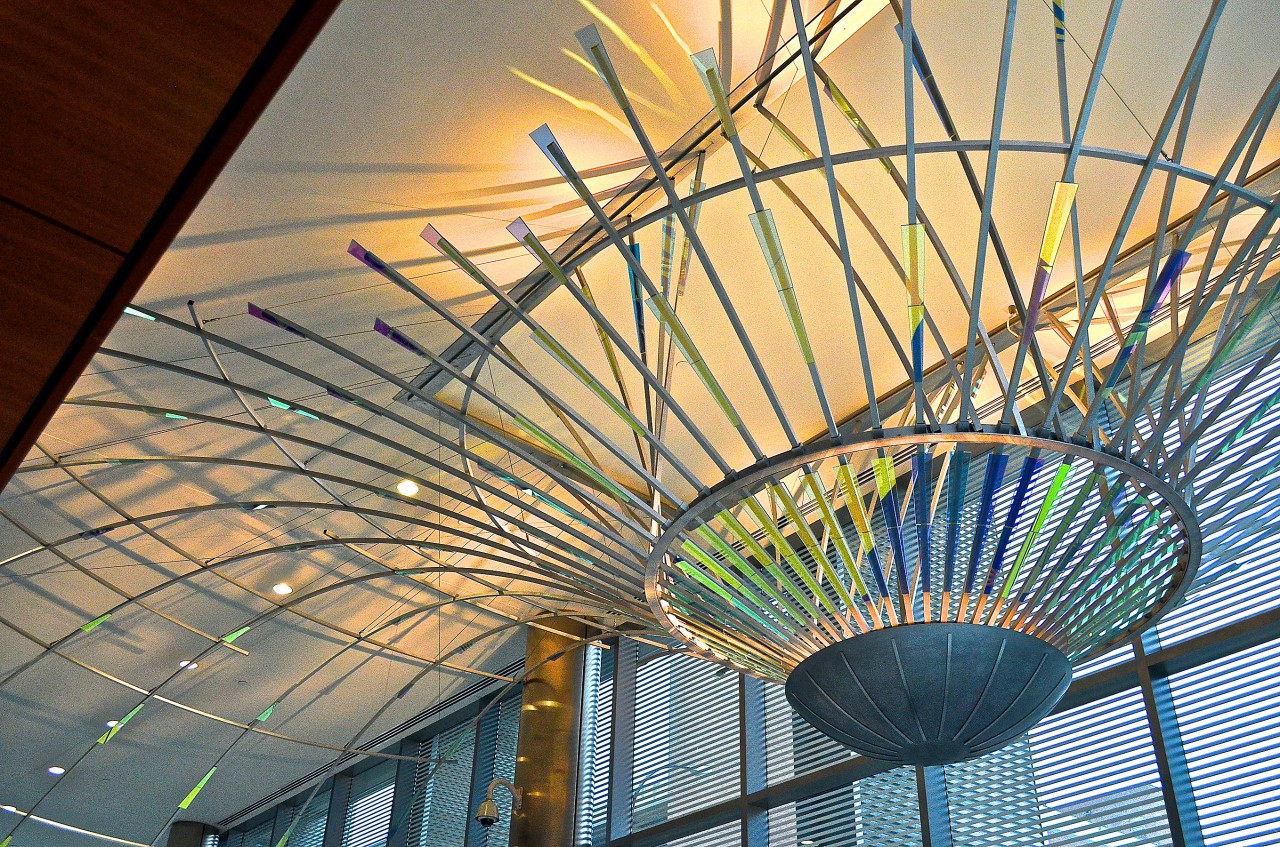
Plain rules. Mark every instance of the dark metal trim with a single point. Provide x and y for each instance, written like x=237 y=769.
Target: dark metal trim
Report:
x=751 y=478
x=1171 y=760
x=935 y=811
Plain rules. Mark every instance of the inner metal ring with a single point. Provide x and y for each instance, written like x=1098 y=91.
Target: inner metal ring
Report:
x=734 y=489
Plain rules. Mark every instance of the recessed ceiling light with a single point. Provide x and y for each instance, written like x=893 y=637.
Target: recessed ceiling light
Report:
x=188 y=664
x=111 y=724
x=282 y=588
x=57 y=770
x=407 y=487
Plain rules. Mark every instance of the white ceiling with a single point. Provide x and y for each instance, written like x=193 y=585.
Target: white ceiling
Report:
x=403 y=114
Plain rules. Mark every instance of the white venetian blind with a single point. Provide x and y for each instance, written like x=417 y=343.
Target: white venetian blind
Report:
x=793 y=747
x=727 y=835
x=309 y=831
x=255 y=836
x=686 y=738
x=504 y=767
x=1229 y=716
x=1236 y=503
x=595 y=758
x=369 y=809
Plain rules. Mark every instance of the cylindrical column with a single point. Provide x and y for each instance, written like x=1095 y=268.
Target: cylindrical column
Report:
x=547 y=753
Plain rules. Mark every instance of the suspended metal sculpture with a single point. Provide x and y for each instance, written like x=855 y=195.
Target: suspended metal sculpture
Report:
x=921 y=572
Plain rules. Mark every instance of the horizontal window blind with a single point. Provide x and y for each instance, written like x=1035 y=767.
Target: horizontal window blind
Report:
x=793 y=747
x=1112 y=657
x=597 y=736
x=309 y=831
x=1082 y=778
x=686 y=738
x=727 y=835
x=1240 y=525
x=369 y=809
x=1229 y=715
x=878 y=811
x=504 y=767
x=255 y=836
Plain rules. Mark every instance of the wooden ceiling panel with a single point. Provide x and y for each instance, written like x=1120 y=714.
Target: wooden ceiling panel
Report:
x=114 y=120
x=107 y=101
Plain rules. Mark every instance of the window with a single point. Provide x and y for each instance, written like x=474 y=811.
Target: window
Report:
x=686 y=738
x=727 y=835
x=877 y=811
x=442 y=789
x=597 y=732
x=1229 y=715
x=1241 y=526
x=793 y=747
x=309 y=831
x=369 y=810
x=256 y=836
x=1083 y=777
x=504 y=728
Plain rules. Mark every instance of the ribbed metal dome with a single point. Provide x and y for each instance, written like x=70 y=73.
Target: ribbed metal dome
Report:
x=929 y=694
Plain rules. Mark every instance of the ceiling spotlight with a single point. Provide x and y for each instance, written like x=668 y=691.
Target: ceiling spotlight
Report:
x=407 y=487
x=110 y=724
x=57 y=770
x=188 y=664
x=282 y=588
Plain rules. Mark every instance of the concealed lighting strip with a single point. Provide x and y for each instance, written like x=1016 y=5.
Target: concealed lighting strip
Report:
x=66 y=827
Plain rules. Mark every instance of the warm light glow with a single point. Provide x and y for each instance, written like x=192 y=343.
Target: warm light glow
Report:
x=282 y=588
x=407 y=487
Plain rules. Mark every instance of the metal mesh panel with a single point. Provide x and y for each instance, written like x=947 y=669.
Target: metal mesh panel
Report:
x=442 y=791
x=1087 y=776
x=878 y=811
x=1230 y=720
x=686 y=738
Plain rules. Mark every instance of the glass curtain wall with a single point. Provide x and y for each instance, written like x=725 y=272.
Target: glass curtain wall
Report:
x=425 y=801
x=1171 y=739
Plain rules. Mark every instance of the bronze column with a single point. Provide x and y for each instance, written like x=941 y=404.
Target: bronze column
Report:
x=547 y=752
